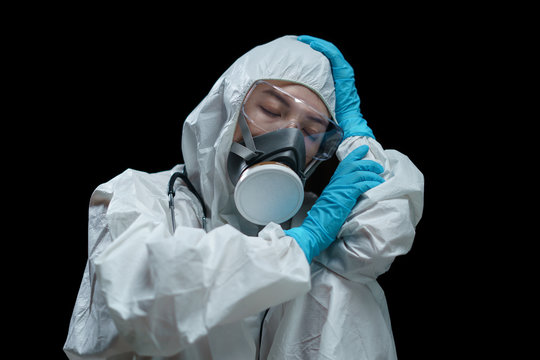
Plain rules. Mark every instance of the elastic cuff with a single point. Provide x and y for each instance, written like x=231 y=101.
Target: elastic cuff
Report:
x=299 y=235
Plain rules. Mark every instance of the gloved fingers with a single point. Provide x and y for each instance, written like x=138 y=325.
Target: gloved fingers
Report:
x=355 y=187
x=369 y=165
x=348 y=112
x=327 y=48
x=355 y=160
x=339 y=65
x=367 y=177
x=347 y=164
x=307 y=38
x=351 y=168
x=354 y=178
x=368 y=185
x=347 y=181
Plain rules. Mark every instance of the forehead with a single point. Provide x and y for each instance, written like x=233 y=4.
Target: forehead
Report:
x=303 y=93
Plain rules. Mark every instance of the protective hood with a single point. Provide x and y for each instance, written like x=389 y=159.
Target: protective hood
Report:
x=208 y=131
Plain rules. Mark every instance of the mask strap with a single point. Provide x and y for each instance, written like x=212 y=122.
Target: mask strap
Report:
x=246 y=133
x=243 y=151
x=249 y=151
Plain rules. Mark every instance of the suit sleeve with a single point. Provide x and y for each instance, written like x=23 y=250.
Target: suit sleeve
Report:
x=382 y=224
x=161 y=292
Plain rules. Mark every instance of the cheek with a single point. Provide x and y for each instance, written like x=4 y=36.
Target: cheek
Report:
x=309 y=154
x=312 y=146
x=255 y=131
x=308 y=160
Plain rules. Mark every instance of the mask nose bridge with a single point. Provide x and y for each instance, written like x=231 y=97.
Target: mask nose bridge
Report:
x=292 y=124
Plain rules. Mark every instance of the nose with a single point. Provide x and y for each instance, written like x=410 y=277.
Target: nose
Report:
x=293 y=124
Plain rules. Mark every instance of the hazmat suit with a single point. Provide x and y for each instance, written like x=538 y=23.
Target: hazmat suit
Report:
x=237 y=290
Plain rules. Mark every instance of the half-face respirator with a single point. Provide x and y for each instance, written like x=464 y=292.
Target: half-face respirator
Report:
x=269 y=170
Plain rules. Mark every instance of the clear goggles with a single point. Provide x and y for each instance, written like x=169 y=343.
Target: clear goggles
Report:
x=269 y=108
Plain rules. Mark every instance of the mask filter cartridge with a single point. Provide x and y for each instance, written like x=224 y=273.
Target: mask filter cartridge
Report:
x=268 y=191
x=269 y=180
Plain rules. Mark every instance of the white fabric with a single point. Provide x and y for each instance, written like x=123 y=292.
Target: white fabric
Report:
x=150 y=294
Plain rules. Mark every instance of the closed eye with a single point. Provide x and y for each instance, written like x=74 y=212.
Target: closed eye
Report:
x=269 y=112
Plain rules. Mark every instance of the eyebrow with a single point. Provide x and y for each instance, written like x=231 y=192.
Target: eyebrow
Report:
x=286 y=103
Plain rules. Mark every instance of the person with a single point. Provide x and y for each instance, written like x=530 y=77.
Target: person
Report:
x=205 y=282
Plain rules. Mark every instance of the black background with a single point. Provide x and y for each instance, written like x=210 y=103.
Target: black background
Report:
x=109 y=90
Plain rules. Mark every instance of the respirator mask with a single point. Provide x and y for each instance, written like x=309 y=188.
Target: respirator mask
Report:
x=284 y=140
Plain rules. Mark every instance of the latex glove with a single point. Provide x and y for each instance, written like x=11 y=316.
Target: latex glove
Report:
x=352 y=178
x=348 y=112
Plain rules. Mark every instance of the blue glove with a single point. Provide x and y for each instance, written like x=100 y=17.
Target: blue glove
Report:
x=352 y=178
x=348 y=112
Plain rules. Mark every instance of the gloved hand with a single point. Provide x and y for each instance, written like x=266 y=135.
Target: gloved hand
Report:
x=352 y=178
x=348 y=112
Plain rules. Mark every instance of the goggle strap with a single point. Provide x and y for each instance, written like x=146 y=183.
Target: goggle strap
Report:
x=311 y=168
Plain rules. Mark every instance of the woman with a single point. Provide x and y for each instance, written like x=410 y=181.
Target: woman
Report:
x=221 y=287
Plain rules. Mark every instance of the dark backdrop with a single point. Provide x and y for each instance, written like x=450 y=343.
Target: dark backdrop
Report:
x=111 y=92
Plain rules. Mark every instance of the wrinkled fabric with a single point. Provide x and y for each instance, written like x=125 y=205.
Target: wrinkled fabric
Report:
x=148 y=293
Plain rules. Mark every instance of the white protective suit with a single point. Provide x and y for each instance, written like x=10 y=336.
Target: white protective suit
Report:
x=150 y=294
